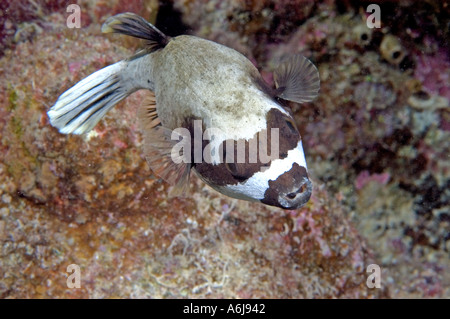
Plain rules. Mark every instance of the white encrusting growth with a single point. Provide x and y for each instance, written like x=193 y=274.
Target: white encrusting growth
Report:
x=255 y=187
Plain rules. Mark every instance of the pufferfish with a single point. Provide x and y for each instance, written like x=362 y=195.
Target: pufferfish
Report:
x=200 y=86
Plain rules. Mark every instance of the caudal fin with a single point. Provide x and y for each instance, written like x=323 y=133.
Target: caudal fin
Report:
x=80 y=108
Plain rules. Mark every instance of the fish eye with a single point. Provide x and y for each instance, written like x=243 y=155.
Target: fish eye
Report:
x=291 y=125
x=234 y=170
x=291 y=195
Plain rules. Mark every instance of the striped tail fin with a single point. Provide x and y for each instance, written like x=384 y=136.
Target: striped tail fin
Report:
x=80 y=108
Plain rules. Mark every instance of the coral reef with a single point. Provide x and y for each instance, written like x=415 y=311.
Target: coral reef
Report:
x=376 y=140
x=378 y=135
x=92 y=201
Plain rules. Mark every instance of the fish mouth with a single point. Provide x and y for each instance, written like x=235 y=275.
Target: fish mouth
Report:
x=297 y=198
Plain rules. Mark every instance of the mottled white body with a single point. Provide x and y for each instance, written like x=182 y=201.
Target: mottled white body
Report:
x=215 y=84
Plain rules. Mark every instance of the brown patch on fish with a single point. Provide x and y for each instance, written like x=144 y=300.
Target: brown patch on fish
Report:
x=291 y=182
x=233 y=173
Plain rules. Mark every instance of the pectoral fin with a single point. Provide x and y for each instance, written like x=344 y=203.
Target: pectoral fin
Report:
x=297 y=79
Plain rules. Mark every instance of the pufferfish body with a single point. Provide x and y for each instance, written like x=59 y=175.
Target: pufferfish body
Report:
x=207 y=99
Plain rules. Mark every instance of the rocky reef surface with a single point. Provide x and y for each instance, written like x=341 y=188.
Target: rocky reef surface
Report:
x=376 y=141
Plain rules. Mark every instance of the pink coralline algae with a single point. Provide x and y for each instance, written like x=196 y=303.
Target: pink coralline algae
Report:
x=305 y=219
x=365 y=177
x=433 y=72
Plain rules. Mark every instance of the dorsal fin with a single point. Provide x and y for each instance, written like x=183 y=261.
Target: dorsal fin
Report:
x=131 y=24
x=297 y=79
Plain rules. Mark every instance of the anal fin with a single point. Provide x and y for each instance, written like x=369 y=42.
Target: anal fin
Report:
x=147 y=113
x=159 y=150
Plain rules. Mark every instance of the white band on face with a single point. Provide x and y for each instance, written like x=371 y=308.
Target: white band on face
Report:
x=255 y=187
